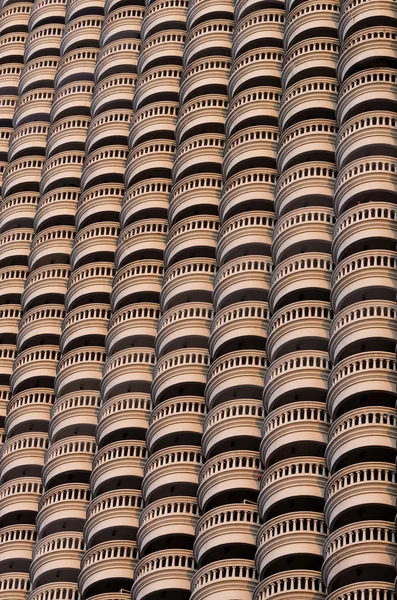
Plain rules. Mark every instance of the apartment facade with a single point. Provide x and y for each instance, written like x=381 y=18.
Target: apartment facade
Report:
x=198 y=276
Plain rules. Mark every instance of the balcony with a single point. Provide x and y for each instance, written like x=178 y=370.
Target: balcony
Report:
x=41 y=10
x=361 y=429
x=68 y=455
x=10 y=315
x=45 y=38
x=203 y=72
x=197 y=113
x=239 y=470
x=95 y=279
x=160 y=47
x=248 y=231
x=151 y=194
x=18 y=206
x=93 y=241
x=370 y=373
x=53 y=591
x=127 y=411
x=305 y=141
x=61 y=202
x=76 y=6
x=244 y=149
x=291 y=425
x=11 y=76
x=62 y=506
x=285 y=537
x=306 y=56
x=204 y=38
x=175 y=419
x=51 y=245
x=247 y=106
x=147 y=122
x=33 y=364
x=104 y=166
x=134 y=323
x=85 y=322
x=139 y=277
x=75 y=66
x=73 y=412
x=127 y=370
x=35 y=403
x=118 y=21
x=12 y=280
x=118 y=510
x=73 y=129
x=21 y=170
x=240 y=190
x=170 y=470
x=190 y=191
x=366 y=589
x=161 y=12
x=200 y=10
x=191 y=236
x=73 y=96
x=17 y=543
x=120 y=460
x=291 y=480
x=255 y=65
x=170 y=570
x=354 y=15
x=354 y=487
x=80 y=367
x=305 y=20
x=303 y=98
x=258 y=27
x=198 y=153
x=156 y=81
x=23 y=139
x=239 y=275
x=140 y=237
x=184 y=367
x=20 y=495
x=16 y=584
x=106 y=127
x=149 y=155
x=176 y=326
x=168 y=517
x=79 y=31
x=100 y=198
x=370 y=545
x=123 y=52
x=118 y=87
x=302 y=584
x=309 y=272
x=235 y=578
x=65 y=167
x=295 y=375
x=14 y=15
x=56 y=556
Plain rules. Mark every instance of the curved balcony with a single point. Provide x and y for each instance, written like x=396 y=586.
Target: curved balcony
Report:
x=127 y=370
x=362 y=428
x=370 y=545
x=160 y=47
x=106 y=127
x=51 y=206
x=41 y=10
x=303 y=98
x=95 y=279
x=250 y=185
x=291 y=480
x=12 y=46
x=74 y=96
x=65 y=167
x=306 y=19
x=358 y=226
x=10 y=76
x=139 y=277
x=190 y=236
x=295 y=375
x=124 y=412
x=20 y=495
x=23 y=139
x=100 y=198
x=135 y=322
x=141 y=236
x=286 y=536
x=235 y=577
x=120 y=460
x=103 y=165
x=312 y=183
x=238 y=470
x=310 y=273
x=170 y=570
x=121 y=52
x=247 y=231
x=200 y=10
x=152 y=119
x=88 y=321
x=174 y=420
x=118 y=509
x=248 y=106
x=255 y=65
x=32 y=365
x=205 y=38
x=241 y=320
x=18 y=206
x=356 y=326
x=160 y=12
x=74 y=7
x=53 y=278
x=54 y=242
x=118 y=21
x=371 y=44
x=305 y=141
x=193 y=155
x=302 y=423
x=185 y=367
x=77 y=367
x=197 y=113
x=61 y=507
x=21 y=170
x=69 y=131
x=68 y=455
x=303 y=584
x=156 y=81
x=56 y=556
x=43 y=39
x=8 y=104
x=17 y=543
x=75 y=66
x=93 y=241
x=203 y=72
x=189 y=321
x=366 y=589
x=118 y=87
x=255 y=27
x=358 y=15
x=170 y=470
x=53 y=591
x=36 y=403
x=354 y=487
x=238 y=275
x=110 y=560
x=23 y=454
x=12 y=280
x=14 y=15
x=185 y=195
x=77 y=32
x=245 y=148
x=73 y=412
x=16 y=584
x=298 y=326
x=167 y=517
x=151 y=194
x=15 y=244
x=238 y=373
x=306 y=57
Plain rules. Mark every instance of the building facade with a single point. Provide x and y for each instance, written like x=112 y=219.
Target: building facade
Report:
x=198 y=315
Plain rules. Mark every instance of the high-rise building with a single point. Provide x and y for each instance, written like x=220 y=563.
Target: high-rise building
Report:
x=198 y=321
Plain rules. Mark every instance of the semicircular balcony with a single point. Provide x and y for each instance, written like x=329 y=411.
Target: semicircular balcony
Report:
x=302 y=230
x=15 y=15
x=314 y=183
x=74 y=7
x=118 y=87
x=152 y=118
x=93 y=241
x=161 y=47
x=202 y=72
x=17 y=542
x=20 y=205
x=235 y=278
x=160 y=12
x=20 y=495
x=53 y=205
x=135 y=323
x=303 y=584
x=156 y=81
x=361 y=326
x=296 y=375
x=356 y=16
x=107 y=127
x=18 y=584
x=103 y=165
x=44 y=39
x=56 y=556
x=50 y=591
x=51 y=245
x=298 y=326
x=36 y=402
x=354 y=488
x=300 y=427
x=360 y=430
x=120 y=20
x=258 y=28
x=175 y=420
x=67 y=455
x=75 y=66
x=110 y=561
x=127 y=370
x=101 y=198
x=368 y=375
x=88 y=321
x=116 y=511
x=191 y=236
x=305 y=141
x=41 y=10
x=248 y=106
x=23 y=139
x=122 y=413
x=293 y=482
x=12 y=281
x=150 y=194
x=70 y=131
x=310 y=57
x=64 y=167
x=235 y=577
x=138 y=238
x=167 y=570
x=252 y=65
x=120 y=460
x=23 y=455
x=21 y=170
x=288 y=540
x=304 y=97
x=148 y=156
x=120 y=52
x=236 y=374
x=74 y=412
x=79 y=369
x=198 y=153
x=308 y=273
x=12 y=46
x=252 y=231
x=245 y=148
x=188 y=193
x=77 y=32
x=136 y=279
x=229 y=477
x=73 y=96
x=189 y=321
x=166 y=517
x=92 y=279
x=11 y=76
x=185 y=368
x=171 y=471
x=62 y=507
x=201 y=10
x=200 y=113
x=365 y=589
x=301 y=24
x=53 y=278
x=204 y=39
x=369 y=545
x=188 y=280
x=15 y=244
x=363 y=226
x=32 y=365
